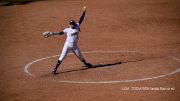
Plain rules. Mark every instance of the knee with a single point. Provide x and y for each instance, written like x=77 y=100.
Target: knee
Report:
x=62 y=57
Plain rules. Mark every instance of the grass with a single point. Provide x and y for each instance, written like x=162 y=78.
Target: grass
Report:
x=16 y=1
x=11 y=2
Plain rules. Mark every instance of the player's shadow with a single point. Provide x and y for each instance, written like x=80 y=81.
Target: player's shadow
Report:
x=105 y=65
x=94 y=66
x=102 y=65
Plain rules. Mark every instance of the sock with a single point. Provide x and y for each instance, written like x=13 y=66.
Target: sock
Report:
x=58 y=63
x=87 y=64
x=84 y=61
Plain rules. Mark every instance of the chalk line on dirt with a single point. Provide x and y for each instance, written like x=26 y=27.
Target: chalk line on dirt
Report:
x=102 y=82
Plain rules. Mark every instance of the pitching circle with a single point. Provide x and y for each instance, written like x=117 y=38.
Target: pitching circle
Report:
x=27 y=66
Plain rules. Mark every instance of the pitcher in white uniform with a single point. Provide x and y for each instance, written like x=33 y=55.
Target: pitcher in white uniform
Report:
x=71 y=42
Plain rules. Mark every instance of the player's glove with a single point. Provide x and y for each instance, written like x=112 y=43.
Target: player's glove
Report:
x=47 y=34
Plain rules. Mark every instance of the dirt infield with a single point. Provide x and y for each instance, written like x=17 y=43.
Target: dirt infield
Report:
x=134 y=45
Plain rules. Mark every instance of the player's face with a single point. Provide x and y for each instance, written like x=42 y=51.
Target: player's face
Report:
x=72 y=26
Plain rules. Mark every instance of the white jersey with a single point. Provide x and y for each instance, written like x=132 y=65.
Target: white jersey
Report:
x=71 y=43
x=72 y=34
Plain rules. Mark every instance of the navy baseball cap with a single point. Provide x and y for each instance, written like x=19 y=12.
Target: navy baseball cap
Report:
x=72 y=22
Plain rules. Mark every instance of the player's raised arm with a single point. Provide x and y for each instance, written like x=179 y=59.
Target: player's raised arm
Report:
x=82 y=16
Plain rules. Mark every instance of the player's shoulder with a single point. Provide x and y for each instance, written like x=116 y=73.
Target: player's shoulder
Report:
x=78 y=24
x=66 y=29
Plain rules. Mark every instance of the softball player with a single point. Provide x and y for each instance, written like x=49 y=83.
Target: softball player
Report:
x=71 y=41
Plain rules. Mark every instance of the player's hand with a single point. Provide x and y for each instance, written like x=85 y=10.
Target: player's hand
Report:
x=84 y=8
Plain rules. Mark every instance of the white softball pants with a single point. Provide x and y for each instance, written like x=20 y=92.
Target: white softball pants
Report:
x=71 y=47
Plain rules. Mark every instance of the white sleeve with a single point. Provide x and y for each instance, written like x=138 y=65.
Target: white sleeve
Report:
x=65 y=30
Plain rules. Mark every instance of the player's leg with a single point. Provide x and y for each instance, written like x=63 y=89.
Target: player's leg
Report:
x=77 y=52
x=61 y=58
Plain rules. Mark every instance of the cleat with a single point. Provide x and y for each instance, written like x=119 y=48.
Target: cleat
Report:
x=89 y=65
x=54 y=71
